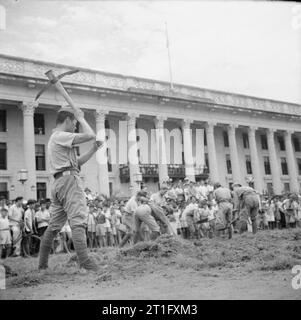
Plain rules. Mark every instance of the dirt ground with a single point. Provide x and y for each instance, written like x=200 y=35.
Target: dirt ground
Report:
x=245 y=267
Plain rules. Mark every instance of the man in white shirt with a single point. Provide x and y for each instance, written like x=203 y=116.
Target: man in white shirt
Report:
x=29 y=216
x=188 y=215
x=129 y=220
x=202 y=191
x=42 y=217
x=15 y=217
x=158 y=197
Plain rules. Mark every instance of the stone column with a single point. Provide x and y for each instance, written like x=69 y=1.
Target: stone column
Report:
x=199 y=147
x=277 y=187
x=258 y=184
x=187 y=145
x=236 y=173
x=291 y=161
x=214 y=175
x=161 y=149
x=101 y=154
x=28 y=109
x=133 y=150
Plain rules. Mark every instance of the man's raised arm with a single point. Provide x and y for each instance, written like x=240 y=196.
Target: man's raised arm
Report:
x=88 y=133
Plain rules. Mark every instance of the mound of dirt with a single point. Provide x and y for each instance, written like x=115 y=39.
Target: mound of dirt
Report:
x=164 y=246
x=267 y=250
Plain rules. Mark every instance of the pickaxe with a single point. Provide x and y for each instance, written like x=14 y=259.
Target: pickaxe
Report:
x=55 y=80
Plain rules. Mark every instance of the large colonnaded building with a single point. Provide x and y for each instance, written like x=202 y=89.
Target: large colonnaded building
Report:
x=233 y=136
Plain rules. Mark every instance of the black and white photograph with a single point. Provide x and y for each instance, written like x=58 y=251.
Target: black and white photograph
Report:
x=150 y=150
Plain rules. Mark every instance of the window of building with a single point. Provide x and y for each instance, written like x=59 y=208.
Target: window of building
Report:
x=281 y=143
x=2 y=120
x=296 y=143
x=286 y=187
x=3 y=190
x=107 y=124
x=3 y=156
x=264 y=142
x=41 y=190
x=248 y=164
x=226 y=139
x=267 y=167
x=230 y=185
x=284 y=166
x=245 y=140
x=299 y=166
x=205 y=138
x=40 y=157
x=228 y=164
x=39 y=123
x=207 y=162
x=137 y=138
x=270 y=188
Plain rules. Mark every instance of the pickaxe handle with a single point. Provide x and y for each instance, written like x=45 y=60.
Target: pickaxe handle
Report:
x=61 y=90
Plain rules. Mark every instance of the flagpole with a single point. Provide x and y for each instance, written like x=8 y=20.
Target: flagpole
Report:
x=169 y=60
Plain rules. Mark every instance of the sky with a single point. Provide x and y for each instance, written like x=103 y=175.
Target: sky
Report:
x=247 y=47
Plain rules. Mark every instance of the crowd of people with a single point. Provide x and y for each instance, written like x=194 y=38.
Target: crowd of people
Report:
x=191 y=210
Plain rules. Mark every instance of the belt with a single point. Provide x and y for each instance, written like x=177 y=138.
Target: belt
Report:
x=64 y=173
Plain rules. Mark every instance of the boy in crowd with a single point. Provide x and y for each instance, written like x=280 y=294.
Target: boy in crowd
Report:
x=29 y=217
x=5 y=237
x=91 y=225
x=101 y=227
x=42 y=218
x=15 y=217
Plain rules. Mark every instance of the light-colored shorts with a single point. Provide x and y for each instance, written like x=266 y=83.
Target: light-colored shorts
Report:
x=114 y=230
x=143 y=214
x=101 y=229
x=224 y=214
x=129 y=221
x=5 y=237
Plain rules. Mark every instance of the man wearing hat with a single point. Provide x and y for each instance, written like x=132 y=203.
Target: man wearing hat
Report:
x=143 y=213
x=68 y=197
x=223 y=199
x=246 y=202
x=149 y=213
x=129 y=219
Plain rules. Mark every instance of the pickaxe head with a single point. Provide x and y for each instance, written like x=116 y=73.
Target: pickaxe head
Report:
x=53 y=79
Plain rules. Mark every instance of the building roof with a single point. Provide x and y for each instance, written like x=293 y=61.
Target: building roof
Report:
x=35 y=69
